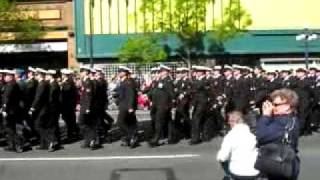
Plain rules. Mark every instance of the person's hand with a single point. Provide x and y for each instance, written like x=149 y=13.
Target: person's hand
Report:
x=130 y=110
x=267 y=108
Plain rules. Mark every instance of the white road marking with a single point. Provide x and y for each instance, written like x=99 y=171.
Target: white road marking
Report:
x=180 y=156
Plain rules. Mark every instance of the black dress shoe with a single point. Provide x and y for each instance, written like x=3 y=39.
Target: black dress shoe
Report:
x=84 y=146
x=51 y=147
x=153 y=144
x=19 y=149
x=41 y=148
x=194 y=142
x=10 y=149
x=133 y=142
x=92 y=145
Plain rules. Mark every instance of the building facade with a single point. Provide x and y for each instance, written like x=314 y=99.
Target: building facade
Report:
x=53 y=50
x=104 y=25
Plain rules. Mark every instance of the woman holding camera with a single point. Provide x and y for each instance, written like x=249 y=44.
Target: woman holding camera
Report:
x=277 y=114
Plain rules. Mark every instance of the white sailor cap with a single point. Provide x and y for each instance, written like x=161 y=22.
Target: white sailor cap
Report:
x=236 y=66
x=200 y=68
x=40 y=70
x=98 y=69
x=66 y=71
x=227 y=67
x=124 y=69
x=93 y=70
x=164 y=67
x=246 y=68
x=217 y=67
x=51 y=71
x=155 y=69
x=31 y=69
x=9 y=72
x=87 y=68
x=208 y=68
x=182 y=69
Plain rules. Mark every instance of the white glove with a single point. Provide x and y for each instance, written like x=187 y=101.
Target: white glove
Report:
x=4 y=114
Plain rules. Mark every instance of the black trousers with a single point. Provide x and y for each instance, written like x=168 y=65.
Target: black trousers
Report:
x=182 y=121
x=87 y=123
x=41 y=126
x=162 y=117
x=199 y=114
x=14 y=131
x=127 y=123
x=69 y=117
x=52 y=128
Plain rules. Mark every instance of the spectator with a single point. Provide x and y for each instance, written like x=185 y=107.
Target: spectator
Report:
x=238 y=151
x=276 y=115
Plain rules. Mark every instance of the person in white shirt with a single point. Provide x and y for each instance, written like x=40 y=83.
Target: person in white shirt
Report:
x=238 y=150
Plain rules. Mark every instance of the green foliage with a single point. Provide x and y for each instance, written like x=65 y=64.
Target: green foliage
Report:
x=187 y=19
x=235 y=20
x=143 y=49
x=16 y=20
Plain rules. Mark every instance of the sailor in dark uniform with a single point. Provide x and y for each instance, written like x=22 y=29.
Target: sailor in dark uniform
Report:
x=183 y=85
x=302 y=86
x=40 y=108
x=127 y=98
x=53 y=130
x=240 y=90
x=101 y=104
x=2 y=84
x=150 y=90
x=162 y=101
x=216 y=101
x=11 y=113
x=68 y=101
x=29 y=93
x=199 y=103
x=87 y=122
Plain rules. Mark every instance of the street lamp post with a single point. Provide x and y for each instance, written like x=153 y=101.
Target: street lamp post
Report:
x=306 y=37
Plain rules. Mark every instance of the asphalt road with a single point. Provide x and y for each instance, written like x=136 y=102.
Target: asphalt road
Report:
x=113 y=162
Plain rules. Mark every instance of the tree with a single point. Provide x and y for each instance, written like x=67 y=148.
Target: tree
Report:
x=143 y=49
x=187 y=20
x=18 y=24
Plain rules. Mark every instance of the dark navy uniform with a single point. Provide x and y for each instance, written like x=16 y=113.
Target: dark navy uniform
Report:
x=40 y=110
x=68 y=99
x=127 y=120
x=54 y=110
x=162 y=102
x=12 y=115
x=200 y=104
x=87 y=122
x=182 y=121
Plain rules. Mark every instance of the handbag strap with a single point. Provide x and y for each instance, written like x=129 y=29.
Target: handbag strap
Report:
x=288 y=129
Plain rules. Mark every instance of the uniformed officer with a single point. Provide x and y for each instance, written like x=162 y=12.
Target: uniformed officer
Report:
x=199 y=103
x=68 y=99
x=127 y=99
x=2 y=83
x=302 y=86
x=40 y=108
x=101 y=104
x=29 y=93
x=217 y=100
x=52 y=127
x=87 y=121
x=183 y=85
x=155 y=76
x=162 y=102
x=11 y=112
